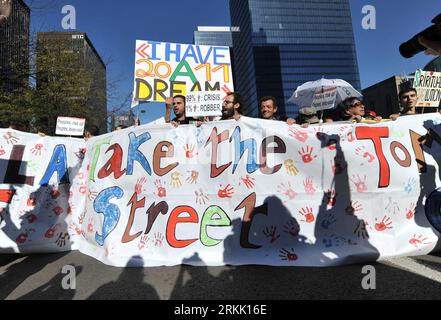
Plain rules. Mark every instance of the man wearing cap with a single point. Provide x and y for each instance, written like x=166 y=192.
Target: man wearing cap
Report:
x=307 y=116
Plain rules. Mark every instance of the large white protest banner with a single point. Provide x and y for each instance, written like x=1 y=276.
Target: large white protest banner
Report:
x=42 y=187
x=229 y=192
x=165 y=70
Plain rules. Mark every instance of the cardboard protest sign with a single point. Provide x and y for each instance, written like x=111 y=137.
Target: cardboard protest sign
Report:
x=428 y=86
x=165 y=70
x=67 y=126
x=203 y=104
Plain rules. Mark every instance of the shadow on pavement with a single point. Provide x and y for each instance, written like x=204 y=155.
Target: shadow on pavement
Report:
x=211 y=283
x=18 y=272
x=129 y=286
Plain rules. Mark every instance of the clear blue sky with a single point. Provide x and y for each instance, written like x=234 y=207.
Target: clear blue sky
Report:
x=113 y=28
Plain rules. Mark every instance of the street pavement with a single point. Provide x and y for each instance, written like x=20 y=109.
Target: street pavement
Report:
x=40 y=277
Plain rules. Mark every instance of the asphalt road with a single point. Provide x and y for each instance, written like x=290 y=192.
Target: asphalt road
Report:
x=40 y=277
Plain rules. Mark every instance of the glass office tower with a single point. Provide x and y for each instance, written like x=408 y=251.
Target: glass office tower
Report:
x=214 y=36
x=14 y=48
x=284 y=43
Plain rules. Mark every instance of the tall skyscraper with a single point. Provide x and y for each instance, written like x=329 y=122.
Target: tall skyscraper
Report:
x=284 y=43
x=14 y=48
x=61 y=54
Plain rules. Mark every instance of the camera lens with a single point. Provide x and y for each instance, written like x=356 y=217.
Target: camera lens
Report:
x=410 y=48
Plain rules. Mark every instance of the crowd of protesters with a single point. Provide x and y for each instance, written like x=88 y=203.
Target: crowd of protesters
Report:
x=351 y=109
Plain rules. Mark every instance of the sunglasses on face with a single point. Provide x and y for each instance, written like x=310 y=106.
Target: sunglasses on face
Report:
x=357 y=104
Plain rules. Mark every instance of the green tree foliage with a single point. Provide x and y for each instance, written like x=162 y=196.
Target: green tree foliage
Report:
x=62 y=82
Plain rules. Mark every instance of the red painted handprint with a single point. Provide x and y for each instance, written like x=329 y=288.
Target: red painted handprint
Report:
x=227 y=192
x=51 y=231
x=417 y=241
x=81 y=218
x=143 y=242
x=70 y=208
x=74 y=230
x=307 y=214
x=193 y=178
x=360 y=184
x=58 y=211
x=384 y=224
x=159 y=238
x=10 y=138
x=82 y=190
x=189 y=151
x=31 y=218
x=306 y=155
x=23 y=237
x=249 y=181
x=353 y=207
x=287 y=190
x=161 y=191
x=287 y=255
x=90 y=226
x=302 y=136
x=308 y=183
x=351 y=137
x=366 y=155
x=32 y=201
x=55 y=193
x=139 y=184
x=410 y=212
x=36 y=150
